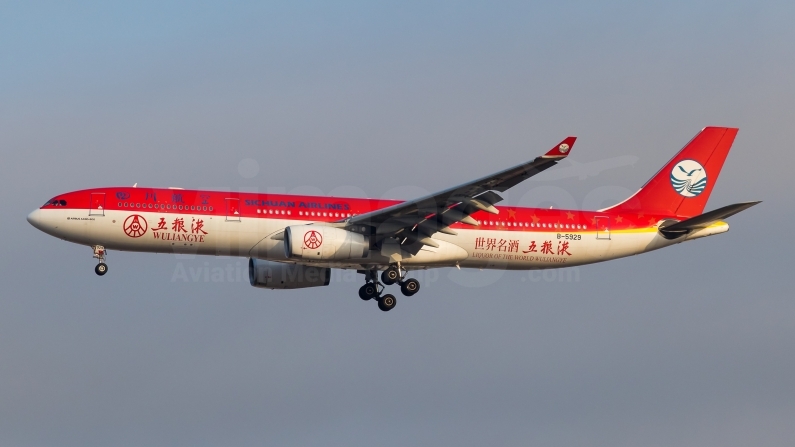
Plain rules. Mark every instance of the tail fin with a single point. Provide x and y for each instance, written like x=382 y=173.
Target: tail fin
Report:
x=683 y=186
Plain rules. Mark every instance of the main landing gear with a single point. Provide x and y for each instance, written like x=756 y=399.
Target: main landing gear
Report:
x=387 y=302
x=99 y=253
x=368 y=291
x=373 y=288
x=394 y=274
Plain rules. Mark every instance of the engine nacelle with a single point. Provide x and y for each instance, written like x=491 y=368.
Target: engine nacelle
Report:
x=277 y=275
x=319 y=243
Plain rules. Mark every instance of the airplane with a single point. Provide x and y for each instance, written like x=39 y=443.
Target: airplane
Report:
x=293 y=241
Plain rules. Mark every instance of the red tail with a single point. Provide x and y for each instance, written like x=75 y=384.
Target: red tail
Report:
x=683 y=186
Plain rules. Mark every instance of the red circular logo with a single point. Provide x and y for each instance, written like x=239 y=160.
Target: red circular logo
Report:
x=135 y=226
x=312 y=239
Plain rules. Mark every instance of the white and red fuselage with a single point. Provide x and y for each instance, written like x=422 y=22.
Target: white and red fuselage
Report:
x=241 y=224
x=458 y=227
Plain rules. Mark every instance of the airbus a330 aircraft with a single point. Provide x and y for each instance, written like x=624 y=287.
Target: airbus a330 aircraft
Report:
x=294 y=241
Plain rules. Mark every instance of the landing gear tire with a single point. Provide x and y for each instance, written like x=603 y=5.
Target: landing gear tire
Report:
x=99 y=255
x=387 y=302
x=101 y=269
x=368 y=291
x=410 y=287
x=390 y=276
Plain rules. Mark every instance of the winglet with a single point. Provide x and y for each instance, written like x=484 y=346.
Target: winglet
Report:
x=562 y=149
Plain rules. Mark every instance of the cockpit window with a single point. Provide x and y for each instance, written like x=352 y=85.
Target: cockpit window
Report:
x=56 y=202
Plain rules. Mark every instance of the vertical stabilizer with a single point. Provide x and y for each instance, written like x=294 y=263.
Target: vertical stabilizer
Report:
x=682 y=187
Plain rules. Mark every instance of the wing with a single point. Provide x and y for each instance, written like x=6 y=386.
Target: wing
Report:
x=413 y=223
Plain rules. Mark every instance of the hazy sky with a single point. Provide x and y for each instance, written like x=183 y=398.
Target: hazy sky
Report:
x=689 y=346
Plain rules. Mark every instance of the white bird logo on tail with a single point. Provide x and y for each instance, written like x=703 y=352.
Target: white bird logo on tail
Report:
x=689 y=178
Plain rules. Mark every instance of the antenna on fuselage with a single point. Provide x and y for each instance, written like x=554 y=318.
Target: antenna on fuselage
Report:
x=135 y=185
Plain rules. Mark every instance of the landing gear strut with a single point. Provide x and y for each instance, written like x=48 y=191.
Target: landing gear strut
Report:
x=99 y=253
x=371 y=288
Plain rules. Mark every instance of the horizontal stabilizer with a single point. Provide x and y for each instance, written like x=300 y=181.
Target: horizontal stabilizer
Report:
x=706 y=219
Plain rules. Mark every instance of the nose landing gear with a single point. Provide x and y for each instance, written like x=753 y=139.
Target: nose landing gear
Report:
x=99 y=253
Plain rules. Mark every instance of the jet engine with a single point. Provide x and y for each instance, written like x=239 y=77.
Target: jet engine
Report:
x=319 y=243
x=277 y=275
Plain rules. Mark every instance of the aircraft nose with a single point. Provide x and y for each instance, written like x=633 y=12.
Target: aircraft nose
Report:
x=35 y=219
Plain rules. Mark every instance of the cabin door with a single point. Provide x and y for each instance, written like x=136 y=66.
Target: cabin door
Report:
x=603 y=227
x=232 y=210
x=96 y=205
